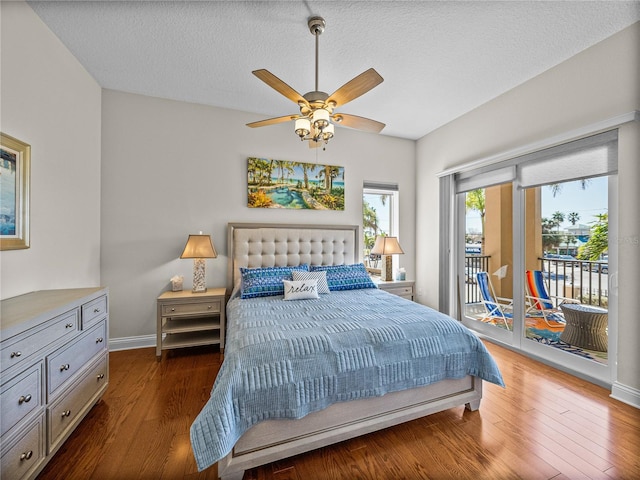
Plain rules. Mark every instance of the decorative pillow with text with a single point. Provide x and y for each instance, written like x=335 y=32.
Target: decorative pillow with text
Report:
x=300 y=289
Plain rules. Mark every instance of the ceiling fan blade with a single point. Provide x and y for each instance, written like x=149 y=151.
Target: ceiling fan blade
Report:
x=359 y=123
x=273 y=121
x=356 y=87
x=274 y=82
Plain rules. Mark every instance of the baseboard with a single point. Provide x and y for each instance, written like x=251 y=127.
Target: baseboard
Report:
x=129 y=343
x=626 y=394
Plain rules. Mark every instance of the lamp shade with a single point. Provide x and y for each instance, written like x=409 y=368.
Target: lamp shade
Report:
x=386 y=246
x=199 y=246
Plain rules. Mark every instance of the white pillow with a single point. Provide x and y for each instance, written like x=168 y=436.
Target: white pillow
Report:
x=301 y=289
x=323 y=286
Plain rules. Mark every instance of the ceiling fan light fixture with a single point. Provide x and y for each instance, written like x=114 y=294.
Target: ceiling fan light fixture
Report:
x=303 y=127
x=320 y=118
x=327 y=132
x=314 y=122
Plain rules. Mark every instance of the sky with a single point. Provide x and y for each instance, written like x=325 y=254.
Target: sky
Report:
x=572 y=198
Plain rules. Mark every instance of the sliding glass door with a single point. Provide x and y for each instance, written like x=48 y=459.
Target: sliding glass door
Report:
x=532 y=255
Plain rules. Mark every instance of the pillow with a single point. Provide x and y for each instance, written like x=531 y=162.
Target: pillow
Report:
x=346 y=277
x=265 y=282
x=321 y=277
x=301 y=289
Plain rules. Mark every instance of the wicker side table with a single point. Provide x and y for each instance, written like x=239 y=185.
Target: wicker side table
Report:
x=586 y=326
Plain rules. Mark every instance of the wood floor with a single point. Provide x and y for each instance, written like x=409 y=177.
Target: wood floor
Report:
x=545 y=424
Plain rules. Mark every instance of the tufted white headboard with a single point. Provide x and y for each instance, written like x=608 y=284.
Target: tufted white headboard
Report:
x=256 y=245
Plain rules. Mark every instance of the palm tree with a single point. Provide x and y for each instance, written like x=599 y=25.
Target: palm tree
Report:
x=573 y=218
x=556 y=188
x=475 y=200
x=558 y=218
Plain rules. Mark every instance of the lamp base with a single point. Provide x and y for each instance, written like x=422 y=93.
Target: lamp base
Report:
x=386 y=270
x=199 y=277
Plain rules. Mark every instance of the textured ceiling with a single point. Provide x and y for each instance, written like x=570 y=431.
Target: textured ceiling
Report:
x=439 y=59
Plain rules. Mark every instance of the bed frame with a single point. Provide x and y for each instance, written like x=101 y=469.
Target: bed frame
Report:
x=265 y=245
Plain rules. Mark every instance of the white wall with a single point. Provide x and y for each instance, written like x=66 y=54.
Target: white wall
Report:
x=50 y=102
x=599 y=83
x=173 y=168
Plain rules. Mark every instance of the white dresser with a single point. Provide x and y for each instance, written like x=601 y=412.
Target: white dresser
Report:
x=54 y=366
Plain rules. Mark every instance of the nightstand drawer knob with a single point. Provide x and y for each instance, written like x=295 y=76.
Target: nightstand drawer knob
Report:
x=68 y=325
x=66 y=413
x=26 y=455
x=96 y=310
x=100 y=376
x=99 y=340
x=64 y=367
x=24 y=399
x=173 y=309
x=209 y=307
x=16 y=354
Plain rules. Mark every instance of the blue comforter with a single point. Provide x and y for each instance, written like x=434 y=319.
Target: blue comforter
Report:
x=285 y=359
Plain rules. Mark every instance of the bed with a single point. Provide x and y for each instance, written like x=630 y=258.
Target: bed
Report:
x=298 y=375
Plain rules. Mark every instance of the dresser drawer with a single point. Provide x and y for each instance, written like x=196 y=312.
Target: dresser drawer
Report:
x=17 y=349
x=65 y=412
x=67 y=361
x=191 y=308
x=20 y=396
x=93 y=311
x=23 y=457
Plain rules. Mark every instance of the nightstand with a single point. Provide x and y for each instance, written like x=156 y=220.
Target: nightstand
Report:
x=187 y=319
x=402 y=288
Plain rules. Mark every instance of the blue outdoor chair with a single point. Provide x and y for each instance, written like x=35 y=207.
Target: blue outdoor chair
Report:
x=496 y=307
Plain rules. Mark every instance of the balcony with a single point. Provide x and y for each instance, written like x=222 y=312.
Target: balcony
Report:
x=585 y=281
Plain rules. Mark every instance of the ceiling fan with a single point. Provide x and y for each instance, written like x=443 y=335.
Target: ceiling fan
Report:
x=316 y=119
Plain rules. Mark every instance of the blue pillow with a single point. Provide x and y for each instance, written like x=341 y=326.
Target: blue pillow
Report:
x=346 y=277
x=267 y=281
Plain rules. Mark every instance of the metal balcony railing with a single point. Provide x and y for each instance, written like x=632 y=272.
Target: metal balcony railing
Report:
x=585 y=281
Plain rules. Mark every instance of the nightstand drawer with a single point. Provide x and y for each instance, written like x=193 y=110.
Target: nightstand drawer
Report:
x=93 y=311
x=191 y=308
x=400 y=291
x=20 y=396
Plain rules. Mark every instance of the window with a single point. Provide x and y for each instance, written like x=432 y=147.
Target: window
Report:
x=379 y=217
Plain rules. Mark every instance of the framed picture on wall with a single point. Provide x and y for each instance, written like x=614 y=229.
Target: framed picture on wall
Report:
x=15 y=164
x=294 y=185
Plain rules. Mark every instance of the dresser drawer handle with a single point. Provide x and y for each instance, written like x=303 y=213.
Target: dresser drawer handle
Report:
x=66 y=413
x=68 y=325
x=209 y=307
x=173 y=309
x=99 y=340
x=16 y=354
x=96 y=310
x=100 y=376
x=64 y=367
x=26 y=455
x=24 y=399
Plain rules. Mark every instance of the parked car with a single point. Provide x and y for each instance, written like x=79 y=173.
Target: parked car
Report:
x=562 y=258
x=596 y=267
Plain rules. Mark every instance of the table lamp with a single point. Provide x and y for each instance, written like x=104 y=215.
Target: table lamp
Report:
x=199 y=247
x=386 y=246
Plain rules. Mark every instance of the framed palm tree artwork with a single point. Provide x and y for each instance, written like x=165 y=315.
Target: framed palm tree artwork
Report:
x=294 y=185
